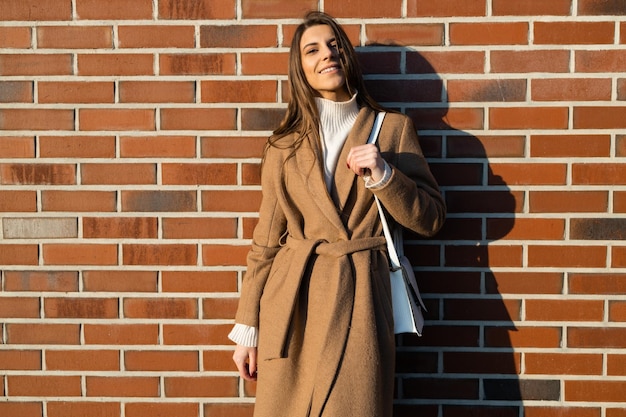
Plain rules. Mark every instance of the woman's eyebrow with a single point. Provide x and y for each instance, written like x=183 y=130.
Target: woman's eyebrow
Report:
x=315 y=43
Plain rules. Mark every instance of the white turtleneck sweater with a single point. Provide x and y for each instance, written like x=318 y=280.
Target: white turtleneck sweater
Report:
x=336 y=121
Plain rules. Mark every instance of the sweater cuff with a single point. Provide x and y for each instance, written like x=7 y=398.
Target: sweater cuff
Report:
x=382 y=182
x=244 y=335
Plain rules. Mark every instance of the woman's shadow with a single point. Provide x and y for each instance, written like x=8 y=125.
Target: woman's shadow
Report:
x=465 y=364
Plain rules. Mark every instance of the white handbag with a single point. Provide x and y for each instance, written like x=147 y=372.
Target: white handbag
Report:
x=405 y=296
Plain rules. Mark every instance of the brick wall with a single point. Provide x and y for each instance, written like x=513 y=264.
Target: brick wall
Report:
x=130 y=136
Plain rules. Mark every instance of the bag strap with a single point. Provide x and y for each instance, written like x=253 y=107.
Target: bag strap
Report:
x=391 y=249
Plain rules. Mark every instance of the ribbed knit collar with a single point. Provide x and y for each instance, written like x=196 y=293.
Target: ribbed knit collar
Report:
x=337 y=116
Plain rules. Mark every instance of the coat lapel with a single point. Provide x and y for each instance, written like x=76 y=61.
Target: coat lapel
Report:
x=344 y=177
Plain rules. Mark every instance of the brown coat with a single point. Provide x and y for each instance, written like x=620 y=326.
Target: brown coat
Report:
x=317 y=285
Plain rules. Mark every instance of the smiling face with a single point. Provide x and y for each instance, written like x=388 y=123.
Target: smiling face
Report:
x=320 y=63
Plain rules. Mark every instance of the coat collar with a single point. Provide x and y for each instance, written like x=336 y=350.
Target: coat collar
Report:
x=311 y=167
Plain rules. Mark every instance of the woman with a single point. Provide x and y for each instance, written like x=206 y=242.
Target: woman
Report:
x=316 y=296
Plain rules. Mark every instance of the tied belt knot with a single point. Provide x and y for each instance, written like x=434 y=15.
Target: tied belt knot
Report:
x=283 y=309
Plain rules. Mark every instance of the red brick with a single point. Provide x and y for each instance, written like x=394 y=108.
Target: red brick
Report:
x=19 y=254
x=76 y=92
x=90 y=308
x=578 y=89
x=485 y=146
x=405 y=34
x=515 y=33
x=17 y=147
x=448 y=62
x=599 y=174
x=36 y=64
x=129 y=173
x=481 y=362
x=197 y=9
x=353 y=31
x=161 y=361
x=532 y=8
x=548 y=146
x=564 y=310
x=162 y=409
x=486 y=90
x=34 y=10
x=599 y=117
x=103 y=386
x=526 y=336
x=601 y=61
x=217 y=360
x=158 y=146
x=238 y=36
x=79 y=254
x=214 y=91
x=16 y=92
x=567 y=256
x=199 y=174
x=363 y=9
x=120 y=281
x=80 y=37
x=237 y=201
x=248 y=227
x=228 y=410
x=597 y=283
x=114 y=9
x=83 y=360
x=199 y=281
x=48 y=281
x=156 y=37
x=44 y=386
x=561 y=411
x=203 y=335
x=563 y=363
x=20 y=360
x=264 y=63
x=77 y=146
x=233 y=147
x=619 y=202
x=36 y=119
x=115 y=64
x=527 y=174
x=219 y=308
x=567 y=33
x=21 y=408
x=137 y=254
x=484 y=201
x=121 y=334
x=621 y=87
x=251 y=174
x=528 y=118
x=445 y=8
x=598 y=391
x=524 y=283
x=15 y=37
x=477 y=256
x=261 y=118
x=83 y=408
x=199 y=228
x=117 y=119
x=213 y=255
x=526 y=229
x=57 y=174
x=120 y=227
x=42 y=334
x=23 y=201
x=568 y=201
x=601 y=7
x=197 y=64
x=198 y=119
x=210 y=386
x=622 y=30
x=161 y=308
x=617 y=311
x=529 y=61
x=19 y=307
x=161 y=201
x=157 y=92
x=615 y=412
x=455 y=118
x=618 y=255
x=78 y=201
x=616 y=364
x=275 y=9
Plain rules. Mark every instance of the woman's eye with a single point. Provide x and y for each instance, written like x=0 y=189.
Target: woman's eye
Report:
x=311 y=51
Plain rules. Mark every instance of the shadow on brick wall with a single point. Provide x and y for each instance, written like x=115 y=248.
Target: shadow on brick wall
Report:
x=465 y=364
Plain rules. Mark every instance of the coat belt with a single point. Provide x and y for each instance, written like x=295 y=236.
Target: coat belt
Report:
x=277 y=343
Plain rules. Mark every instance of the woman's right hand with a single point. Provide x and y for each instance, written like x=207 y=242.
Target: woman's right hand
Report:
x=245 y=359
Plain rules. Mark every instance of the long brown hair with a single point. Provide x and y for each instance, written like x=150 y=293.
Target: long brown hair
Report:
x=302 y=116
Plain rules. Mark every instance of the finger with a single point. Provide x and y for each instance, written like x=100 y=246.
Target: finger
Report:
x=252 y=365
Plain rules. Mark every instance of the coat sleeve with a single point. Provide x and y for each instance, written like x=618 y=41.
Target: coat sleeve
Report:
x=411 y=196
x=265 y=245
